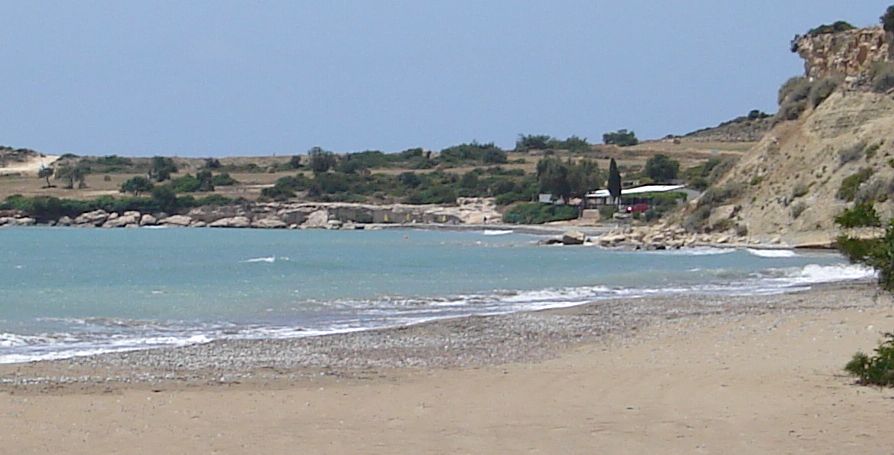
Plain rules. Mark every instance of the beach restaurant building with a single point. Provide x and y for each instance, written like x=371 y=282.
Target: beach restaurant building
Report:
x=637 y=196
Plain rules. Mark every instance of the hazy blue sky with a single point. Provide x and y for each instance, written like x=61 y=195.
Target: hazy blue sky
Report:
x=219 y=77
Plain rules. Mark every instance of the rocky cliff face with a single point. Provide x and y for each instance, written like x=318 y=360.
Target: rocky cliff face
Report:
x=790 y=184
x=847 y=53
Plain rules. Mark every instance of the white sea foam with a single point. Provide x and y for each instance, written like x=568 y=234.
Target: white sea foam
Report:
x=815 y=274
x=696 y=251
x=268 y=259
x=497 y=232
x=91 y=336
x=772 y=253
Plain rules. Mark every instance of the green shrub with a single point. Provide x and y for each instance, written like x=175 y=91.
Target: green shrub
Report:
x=822 y=89
x=800 y=190
x=798 y=209
x=887 y=19
x=718 y=195
x=660 y=168
x=223 y=179
x=473 y=153
x=861 y=215
x=621 y=138
x=876 y=253
x=606 y=212
x=877 y=369
x=849 y=186
x=794 y=89
x=532 y=142
x=186 y=184
x=851 y=153
x=537 y=213
x=439 y=194
x=137 y=185
x=837 y=27
x=881 y=76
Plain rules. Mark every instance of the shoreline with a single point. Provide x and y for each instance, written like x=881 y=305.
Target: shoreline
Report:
x=478 y=341
x=675 y=376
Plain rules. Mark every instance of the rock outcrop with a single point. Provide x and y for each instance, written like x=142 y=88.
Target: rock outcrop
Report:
x=574 y=238
x=177 y=220
x=231 y=222
x=848 y=53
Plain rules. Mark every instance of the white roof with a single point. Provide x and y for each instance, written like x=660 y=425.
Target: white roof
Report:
x=638 y=190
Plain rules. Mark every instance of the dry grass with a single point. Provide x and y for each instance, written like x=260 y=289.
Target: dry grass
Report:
x=689 y=153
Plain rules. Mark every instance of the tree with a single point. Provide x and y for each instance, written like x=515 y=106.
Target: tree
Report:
x=320 y=160
x=46 y=173
x=137 y=185
x=494 y=156
x=532 y=142
x=614 y=181
x=212 y=163
x=621 y=138
x=552 y=174
x=161 y=168
x=206 y=180
x=165 y=198
x=584 y=177
x=661 y=168
x=71 y=174
x=888 y=19
x=295 y=162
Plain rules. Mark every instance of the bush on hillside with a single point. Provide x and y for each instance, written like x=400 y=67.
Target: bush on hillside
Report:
x=861 y=215
x=660 y=168
x=527 y=142
x=822 y=89
x=798 y=209
x=137 y=185
x=849 y=186
x=836 y=27
x=223 y=179
x=794 y=89
x=881 y=76
x=621 y=138
x=851 y=153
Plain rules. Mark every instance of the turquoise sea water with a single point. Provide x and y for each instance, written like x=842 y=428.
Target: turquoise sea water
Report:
x=66 y=292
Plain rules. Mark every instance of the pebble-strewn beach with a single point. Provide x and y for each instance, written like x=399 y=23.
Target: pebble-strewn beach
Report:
x=469 y=342
x=684 y=375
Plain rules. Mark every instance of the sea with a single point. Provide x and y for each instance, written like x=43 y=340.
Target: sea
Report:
x=67 y=292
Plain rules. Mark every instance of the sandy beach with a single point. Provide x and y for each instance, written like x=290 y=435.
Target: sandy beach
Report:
x=758 y=374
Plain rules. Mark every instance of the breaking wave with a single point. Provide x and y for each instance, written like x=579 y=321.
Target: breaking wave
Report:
x=90 y=336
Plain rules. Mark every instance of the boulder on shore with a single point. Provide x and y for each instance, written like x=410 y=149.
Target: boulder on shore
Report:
x=123 y=220
x=177 y=220
x=148 y=220
x=269 y=223
x=573 y=238
x=95 y=218
x=231 y=222
x=318 y=219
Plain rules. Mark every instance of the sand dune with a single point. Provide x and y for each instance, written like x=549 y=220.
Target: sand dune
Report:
x=28 y=167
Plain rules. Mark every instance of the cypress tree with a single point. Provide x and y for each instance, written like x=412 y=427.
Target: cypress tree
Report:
x=614 y=181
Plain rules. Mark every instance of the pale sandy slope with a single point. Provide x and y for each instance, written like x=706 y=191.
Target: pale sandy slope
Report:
x=762 y=384
x=28 y=167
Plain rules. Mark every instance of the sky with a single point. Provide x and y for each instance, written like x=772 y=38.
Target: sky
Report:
x=218 y=78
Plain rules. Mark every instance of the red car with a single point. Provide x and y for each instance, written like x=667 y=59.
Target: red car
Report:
x=642 y=207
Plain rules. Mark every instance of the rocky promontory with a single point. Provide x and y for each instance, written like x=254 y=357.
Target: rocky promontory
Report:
x=281 y=215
